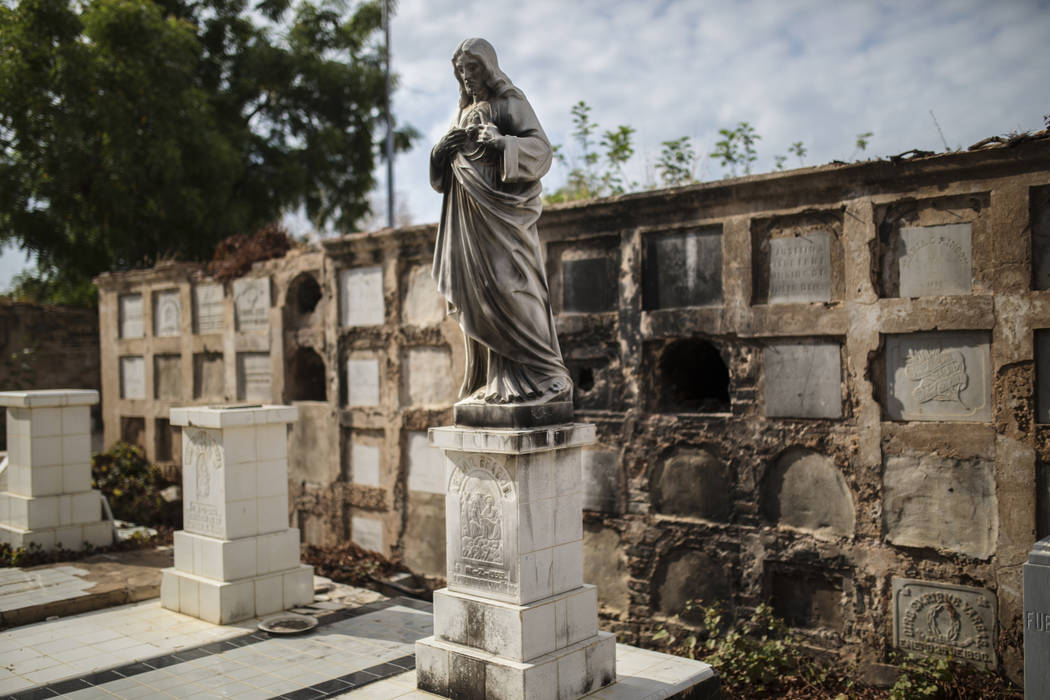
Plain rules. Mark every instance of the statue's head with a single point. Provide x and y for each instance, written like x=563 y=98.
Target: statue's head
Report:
x=477 y=71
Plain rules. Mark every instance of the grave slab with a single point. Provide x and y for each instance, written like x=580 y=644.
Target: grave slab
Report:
x=208 y=313
x=933 y=618
x=132 y=377
x=682 y=268
x=362 y=382
x=130 y=312
x=254 y=377
x=361 y=296
x=516 y=620
x=939 y=376
x=803 y=380
x=364 y=464
x=167 y=377
x=426 y=377
x=167 y=313
x=367 y=533
x=48 y=499
x=235 y=558
x=422 y=305
x=251 y=303
x=800 y=268
x=589 y=285
x=936 y=260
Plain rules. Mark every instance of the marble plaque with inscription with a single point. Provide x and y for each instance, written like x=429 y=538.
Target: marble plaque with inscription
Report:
x=130 y=310
x=167 y=313
x=362 y=381
x=939 y=376
x=254 y=377
x=133 y=377
x=204 y=481
x=800 y=268
x=931 y=618
x=251 y=303
x=208 y=310
x=803 y=380
x=935 y=260
x=361 y=296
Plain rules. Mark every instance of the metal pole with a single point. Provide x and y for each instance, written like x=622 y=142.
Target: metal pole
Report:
x=389 y=123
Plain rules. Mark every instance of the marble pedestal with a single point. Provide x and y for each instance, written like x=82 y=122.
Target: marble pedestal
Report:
x=516 y=620
x=1037 y=622
x=236 y=557
x=48 y=499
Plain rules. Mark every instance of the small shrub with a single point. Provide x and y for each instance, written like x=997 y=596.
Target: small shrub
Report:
x=132 y=486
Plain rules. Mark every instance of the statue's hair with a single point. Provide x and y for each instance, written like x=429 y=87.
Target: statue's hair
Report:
x=496 y=80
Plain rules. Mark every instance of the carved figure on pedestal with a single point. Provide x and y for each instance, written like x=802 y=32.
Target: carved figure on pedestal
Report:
x=488 y=262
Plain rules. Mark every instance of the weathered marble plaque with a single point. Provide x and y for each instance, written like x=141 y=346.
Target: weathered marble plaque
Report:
x=939 y=376
x=426 y=377
x=251 y=303
x=208 y=312
x=362 y=381
x=167 y=313
x=935 y=260
x=204 y=481
x=130 y=311
x=682 y=269
x=361 y=296
x=364 y=464
x=254 y=377
x=167 y=377
x=422 y=305
x=426 y=465
x=800 y=268
x=132 y=377
x=209 y=376
x=931 y=618
x=588 y=285
x=367 y=533
x=803 y=380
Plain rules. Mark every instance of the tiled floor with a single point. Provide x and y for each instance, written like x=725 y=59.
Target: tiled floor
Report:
x=364 y=651
x=20 y=588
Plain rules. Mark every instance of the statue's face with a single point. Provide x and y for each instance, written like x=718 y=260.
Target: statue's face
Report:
x=472 y=74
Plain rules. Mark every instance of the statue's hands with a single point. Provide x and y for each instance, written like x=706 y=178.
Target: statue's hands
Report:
x=489 y=135
x=451 y=142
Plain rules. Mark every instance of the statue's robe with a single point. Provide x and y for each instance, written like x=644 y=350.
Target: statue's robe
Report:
x=488 y=262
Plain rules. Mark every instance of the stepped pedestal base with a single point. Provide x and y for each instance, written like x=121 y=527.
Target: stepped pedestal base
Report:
x=224 y=602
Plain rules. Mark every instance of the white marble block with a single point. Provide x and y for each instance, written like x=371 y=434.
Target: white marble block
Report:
x=236 y=557
x=49 y=500
x=516 y=620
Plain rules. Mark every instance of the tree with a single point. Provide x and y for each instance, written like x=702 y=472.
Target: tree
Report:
x=677 y=162
x=134 y=129
x=737 y=147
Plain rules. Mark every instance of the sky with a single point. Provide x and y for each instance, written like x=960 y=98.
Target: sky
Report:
x=816 y=71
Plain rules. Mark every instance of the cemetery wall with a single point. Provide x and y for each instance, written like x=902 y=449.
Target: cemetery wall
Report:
x=823 y=388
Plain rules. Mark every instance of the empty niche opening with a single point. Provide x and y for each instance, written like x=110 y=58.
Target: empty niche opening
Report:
x=806 y=599
x=687 y=575
x=307 y=380
x=692 y=377
x=304 y=293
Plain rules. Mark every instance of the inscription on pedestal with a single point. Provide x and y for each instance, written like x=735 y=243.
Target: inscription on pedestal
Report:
x=254 y=377
x=207 y=308
x=251 y=303
x=130 y=310
x=800 y=268
x=361 y=296
x=479 y=536
x=935 y=260
x=939 y=376
x=939 y=618
x=203 y=478
x=167 y=313
x=132 y=377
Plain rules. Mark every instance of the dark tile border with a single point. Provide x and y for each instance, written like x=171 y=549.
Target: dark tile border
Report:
x=350 y=681
x=324 y=618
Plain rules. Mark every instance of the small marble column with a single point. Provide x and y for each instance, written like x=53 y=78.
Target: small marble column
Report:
x=235 y=558
x=516 y=620
x=1037 y=622
x=48 y=499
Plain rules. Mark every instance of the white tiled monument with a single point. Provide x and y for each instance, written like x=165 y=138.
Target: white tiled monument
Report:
x=516 y=620
x=236 y=557
x=48 y=499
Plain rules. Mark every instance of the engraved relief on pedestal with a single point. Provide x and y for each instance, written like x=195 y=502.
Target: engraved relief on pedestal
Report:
x=481 y=543
x=205 y=488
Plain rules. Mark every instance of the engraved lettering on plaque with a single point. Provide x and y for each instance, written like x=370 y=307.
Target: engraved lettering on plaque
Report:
x=251 y=303
x=202 y=458
x=208 y=311
x=167 y=313
x=254 y=376
x=800 y=268
x=936 y=618
x=936 y=260
x=940 y=375
x=483 y=492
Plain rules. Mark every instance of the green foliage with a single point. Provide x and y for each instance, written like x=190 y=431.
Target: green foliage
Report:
x=737 y=148
x=677 y=162
x=779 y=162
x=922 y=678
x=594 y=173
x=798 y=150
x=132 y=130
x=133 y=485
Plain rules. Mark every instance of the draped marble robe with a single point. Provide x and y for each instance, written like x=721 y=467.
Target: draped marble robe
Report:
x=488 y=262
